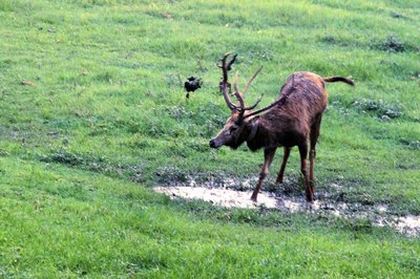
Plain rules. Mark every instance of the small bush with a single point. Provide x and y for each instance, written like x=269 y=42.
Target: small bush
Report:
x=392 y=44
x=411 y=144
x=178 y=112
x=381 y=109
x=4 y=153
x=174 y=80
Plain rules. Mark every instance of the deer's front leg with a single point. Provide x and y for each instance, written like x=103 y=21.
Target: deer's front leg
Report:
x=268 y=158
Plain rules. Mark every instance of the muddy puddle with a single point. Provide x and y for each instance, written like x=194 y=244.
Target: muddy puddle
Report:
x=378 y=215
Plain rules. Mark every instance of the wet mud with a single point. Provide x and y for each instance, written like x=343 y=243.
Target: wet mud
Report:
x=377 y=214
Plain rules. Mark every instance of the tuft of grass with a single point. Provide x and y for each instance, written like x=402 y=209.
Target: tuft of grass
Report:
x=97 y=164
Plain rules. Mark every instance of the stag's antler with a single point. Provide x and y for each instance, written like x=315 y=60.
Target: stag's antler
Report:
x=240 y=95
x=248 y=84
x=224 y=84
x=280 y=102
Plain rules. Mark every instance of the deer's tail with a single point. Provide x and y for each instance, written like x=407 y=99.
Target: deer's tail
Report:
x=342 y=79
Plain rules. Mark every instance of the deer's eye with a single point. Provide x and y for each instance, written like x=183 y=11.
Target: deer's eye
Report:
x=234 y=128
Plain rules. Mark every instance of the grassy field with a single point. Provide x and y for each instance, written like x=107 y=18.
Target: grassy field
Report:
x=93 y=114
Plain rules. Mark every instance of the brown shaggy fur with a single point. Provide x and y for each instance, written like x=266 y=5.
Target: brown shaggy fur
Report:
x=294 y=121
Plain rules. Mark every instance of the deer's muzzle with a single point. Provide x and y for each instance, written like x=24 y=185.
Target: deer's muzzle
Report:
x=214 y=143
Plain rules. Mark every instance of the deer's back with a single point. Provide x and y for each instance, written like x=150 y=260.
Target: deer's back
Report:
x=306 y=99
x=306 y=95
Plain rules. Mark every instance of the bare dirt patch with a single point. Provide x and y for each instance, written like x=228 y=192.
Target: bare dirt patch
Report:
x=378 y=215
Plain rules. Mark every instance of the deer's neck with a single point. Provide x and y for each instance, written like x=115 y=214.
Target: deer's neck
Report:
x=255 y=134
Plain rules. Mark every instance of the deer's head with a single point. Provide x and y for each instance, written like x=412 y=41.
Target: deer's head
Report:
x=236 y=129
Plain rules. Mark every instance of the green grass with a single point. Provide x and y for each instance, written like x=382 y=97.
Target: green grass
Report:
x=104 y=106
x=56 y=224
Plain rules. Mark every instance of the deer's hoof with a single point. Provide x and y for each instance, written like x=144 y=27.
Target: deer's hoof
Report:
x=310 y=198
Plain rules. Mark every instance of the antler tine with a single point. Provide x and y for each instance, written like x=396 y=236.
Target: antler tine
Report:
x=223 y=60
x=280 y=101
x=238 y=94
x=231 y=61
x=223 y=88
x=240 y=97
x=248 y=84
x=254 y=105
x=224 y=84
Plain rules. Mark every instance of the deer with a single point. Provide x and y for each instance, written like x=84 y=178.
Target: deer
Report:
x=294 y=119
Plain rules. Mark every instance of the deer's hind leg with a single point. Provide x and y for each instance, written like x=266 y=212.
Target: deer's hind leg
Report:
x=312 y=152
x=286 y=154
x=303 y=151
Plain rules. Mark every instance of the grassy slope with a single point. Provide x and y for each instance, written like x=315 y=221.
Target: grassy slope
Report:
x=58 y=224
x=107 y=98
